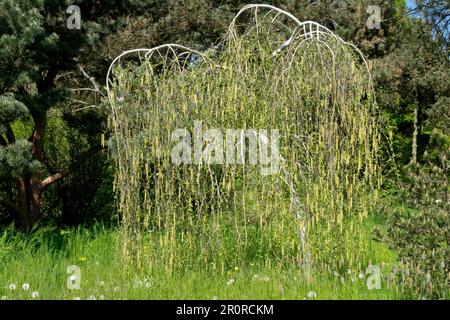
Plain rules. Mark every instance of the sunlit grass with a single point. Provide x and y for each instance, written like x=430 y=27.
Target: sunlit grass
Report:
x=41 y=260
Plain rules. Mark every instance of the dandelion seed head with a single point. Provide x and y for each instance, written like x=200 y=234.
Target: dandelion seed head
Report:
x=12 y=286
x=311 y=295
x=138 y=283
x=25 y=286
x=428 y=277
x=230 y=282
x=35 y=295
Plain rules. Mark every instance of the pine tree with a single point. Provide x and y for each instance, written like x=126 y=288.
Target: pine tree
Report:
x=36 y=46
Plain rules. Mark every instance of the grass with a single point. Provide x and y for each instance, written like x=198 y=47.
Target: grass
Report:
x=41 y=260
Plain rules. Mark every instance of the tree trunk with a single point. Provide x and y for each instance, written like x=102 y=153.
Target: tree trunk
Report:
x=29 y=209
x=34 y=204
x=29 y=188
x=27 y=206
x=415 y=136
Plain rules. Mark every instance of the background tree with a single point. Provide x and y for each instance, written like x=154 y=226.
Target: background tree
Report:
x=37 y=53
x=436 y=14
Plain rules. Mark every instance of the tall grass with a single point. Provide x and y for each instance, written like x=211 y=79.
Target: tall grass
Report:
x=316 y=91
x=41 y=260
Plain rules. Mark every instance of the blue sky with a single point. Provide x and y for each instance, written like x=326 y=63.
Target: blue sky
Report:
x=410 y=3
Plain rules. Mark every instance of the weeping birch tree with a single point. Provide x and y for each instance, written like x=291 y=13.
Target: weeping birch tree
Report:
x=270 y=72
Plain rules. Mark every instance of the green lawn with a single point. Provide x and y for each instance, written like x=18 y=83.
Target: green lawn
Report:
x=41 y=261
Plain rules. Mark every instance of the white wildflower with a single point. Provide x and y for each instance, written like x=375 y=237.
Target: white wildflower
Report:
x=35 y=295
x=25 y=286
x=230 y=282
x=428 y=277
x=12 y=286
x=311 y=295
x=265 y=278
x=138 y=283
x=281 y=289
